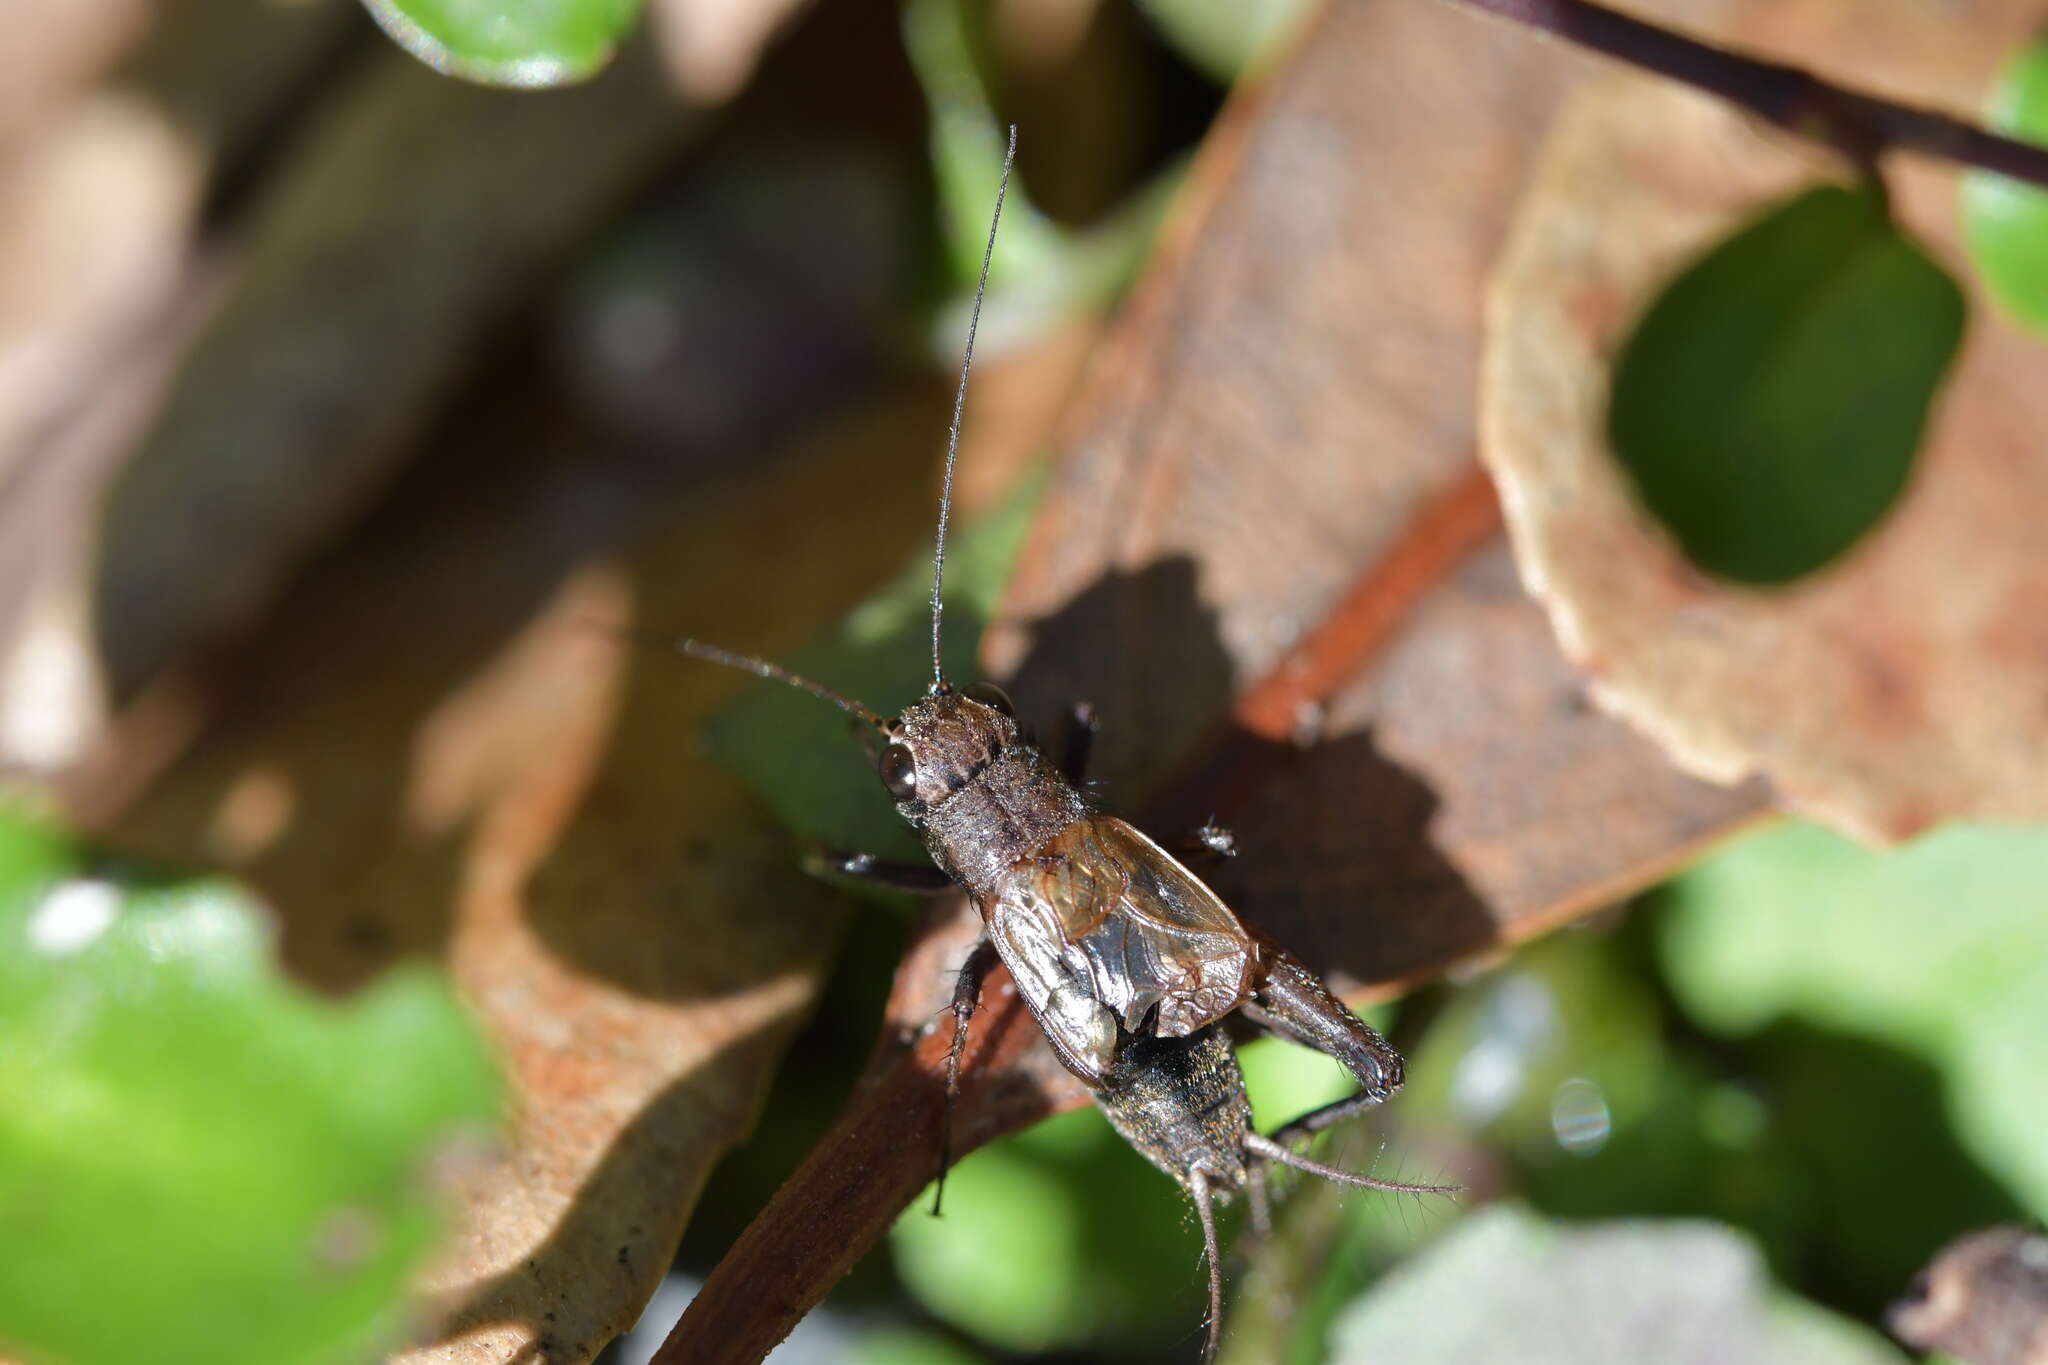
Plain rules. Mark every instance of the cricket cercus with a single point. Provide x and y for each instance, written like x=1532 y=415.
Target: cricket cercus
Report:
x=1126 y=959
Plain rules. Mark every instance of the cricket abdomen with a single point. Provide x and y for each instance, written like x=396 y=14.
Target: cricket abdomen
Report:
x=1181 y=1102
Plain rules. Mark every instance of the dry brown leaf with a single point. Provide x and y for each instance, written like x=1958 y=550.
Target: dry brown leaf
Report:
x=367 y=282
x=95 y=216
x=52 y=47
x=102 y=285
x=1290 y=401
x=711 y=47
x=1899 y=687
x=358 y=287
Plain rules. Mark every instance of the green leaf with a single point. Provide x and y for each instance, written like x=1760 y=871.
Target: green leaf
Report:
x=209 y=1164
x=531 y=44
x=1770 y=402
x=2005 y=221
x=1938 y=949
x=1504 y=1285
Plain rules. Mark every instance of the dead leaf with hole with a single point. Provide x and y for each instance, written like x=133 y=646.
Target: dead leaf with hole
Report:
x=1282 y=442
x=1901 y=686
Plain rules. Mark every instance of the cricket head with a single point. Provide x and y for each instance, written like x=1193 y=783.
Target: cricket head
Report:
x=943 y=743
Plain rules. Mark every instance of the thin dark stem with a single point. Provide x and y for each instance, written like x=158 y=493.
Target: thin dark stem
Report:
x=1797 y=100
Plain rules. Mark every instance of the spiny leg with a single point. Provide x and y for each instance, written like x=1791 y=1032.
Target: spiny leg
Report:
x=1205 y=1210
x=1261 y=1202
x=1273 y=1151
x=966 y=996
x=1293 y=1002
x=1327 y=1116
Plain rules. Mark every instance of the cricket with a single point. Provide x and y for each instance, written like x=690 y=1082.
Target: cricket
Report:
x=1126 y=959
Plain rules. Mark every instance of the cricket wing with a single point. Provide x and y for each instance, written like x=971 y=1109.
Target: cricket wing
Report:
x=1102 y=926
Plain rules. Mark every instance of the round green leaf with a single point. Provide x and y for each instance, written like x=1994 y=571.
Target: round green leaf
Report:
x=2005 y=221
x=209 y=1164
x=1938 y=949
x=1770 y=402
x=526 y=43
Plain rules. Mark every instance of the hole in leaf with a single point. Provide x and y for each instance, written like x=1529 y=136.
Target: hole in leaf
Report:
x=1770 y=403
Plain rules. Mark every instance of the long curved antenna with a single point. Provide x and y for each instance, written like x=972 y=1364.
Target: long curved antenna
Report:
x=761 y=668
x=746 y=663
x=960 y=407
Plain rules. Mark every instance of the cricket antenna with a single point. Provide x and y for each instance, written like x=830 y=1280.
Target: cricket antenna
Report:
x=959 y=407
x=761 y=668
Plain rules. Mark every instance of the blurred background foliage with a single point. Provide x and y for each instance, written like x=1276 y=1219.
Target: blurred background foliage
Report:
x=1776 y=1084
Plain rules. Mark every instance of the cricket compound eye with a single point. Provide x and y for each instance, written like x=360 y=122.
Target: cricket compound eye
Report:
x=991 y=696
x=899 y=771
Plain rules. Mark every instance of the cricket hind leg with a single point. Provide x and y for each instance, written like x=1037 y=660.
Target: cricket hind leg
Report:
x=1293 y=1002
x=1266 y=1147
x=1205 y=1211
x=1266 y=1152
x=966 y=998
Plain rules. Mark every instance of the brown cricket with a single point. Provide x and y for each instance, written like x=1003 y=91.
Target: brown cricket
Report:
x=1127 y=960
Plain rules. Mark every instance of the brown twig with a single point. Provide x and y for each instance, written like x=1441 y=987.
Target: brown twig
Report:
x=865 y=1171
x=1797 y=100
x=1283 y=707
